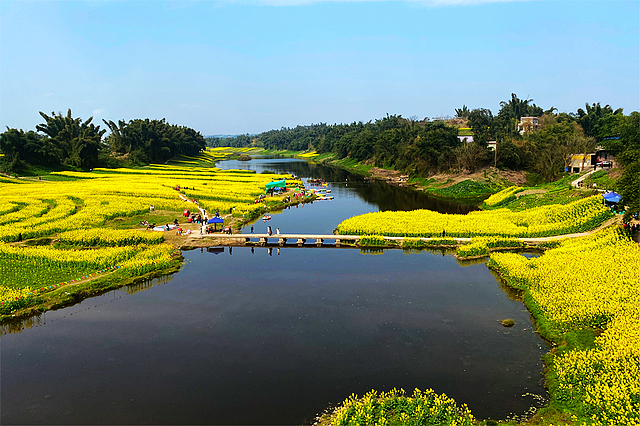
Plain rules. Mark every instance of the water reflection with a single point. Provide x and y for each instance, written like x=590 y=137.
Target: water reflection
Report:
x=250 y=338
x=19 y=325
x=344 y=183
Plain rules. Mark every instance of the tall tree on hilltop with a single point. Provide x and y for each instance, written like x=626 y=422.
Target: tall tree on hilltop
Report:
x=462 y=112
x=597 y=120
x=77 y=141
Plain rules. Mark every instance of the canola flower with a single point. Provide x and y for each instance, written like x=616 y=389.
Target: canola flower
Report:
x=481 y=246
x=38 y=209
x=394 y=407
x=96 y=237
x=589 y=282
x=308 y=155
x=75 y=210
x=503 y=196
x=581 y=215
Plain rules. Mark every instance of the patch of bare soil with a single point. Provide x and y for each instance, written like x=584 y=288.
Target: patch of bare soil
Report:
x=484 y=175
x=384 y=174
x=531 y=191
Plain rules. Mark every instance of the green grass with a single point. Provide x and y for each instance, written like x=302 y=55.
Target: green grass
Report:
x=353 y=166
x=465 y=189
x=601 y=179
x=159 y=217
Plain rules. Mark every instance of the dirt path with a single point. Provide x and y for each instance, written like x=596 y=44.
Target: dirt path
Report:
x=581 y=178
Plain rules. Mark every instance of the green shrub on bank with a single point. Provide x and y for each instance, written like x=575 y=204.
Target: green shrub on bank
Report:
x=419 y=243
x=372 y=241
x=465 y=189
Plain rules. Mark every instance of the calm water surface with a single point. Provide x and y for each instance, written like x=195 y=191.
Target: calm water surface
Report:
x=353 y=196
x=268 y=336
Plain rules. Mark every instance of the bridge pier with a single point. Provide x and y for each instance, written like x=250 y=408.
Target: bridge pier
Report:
x=263 y=241
x=337 y=242
x=319 y=241
x=282 y=241
x=301 y=241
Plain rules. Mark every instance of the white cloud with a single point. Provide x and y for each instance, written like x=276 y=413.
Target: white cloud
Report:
x=98 y=112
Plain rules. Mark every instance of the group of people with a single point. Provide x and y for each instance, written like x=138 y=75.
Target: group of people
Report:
x=632 y=228
x=195 y=219
x=269 y=231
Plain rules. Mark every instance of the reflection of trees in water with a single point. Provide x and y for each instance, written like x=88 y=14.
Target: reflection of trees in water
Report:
x=19 y=325
x=145 y=285
x=390 y=197
x=381 y=194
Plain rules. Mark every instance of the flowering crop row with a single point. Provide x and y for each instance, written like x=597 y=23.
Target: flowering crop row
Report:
x=589 y=282
x=98 y=237
x=579 y=216
x=40 y=209
x=502 y=197
x=481 y=246
x=394 y=407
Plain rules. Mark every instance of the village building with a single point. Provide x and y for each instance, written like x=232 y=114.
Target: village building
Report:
x=528 y=125
x=599 y=158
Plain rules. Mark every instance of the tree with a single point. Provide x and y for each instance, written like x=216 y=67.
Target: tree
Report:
x=463 y=112
x=628 y=185
x=153 y=141
x=77 y=142
x=481 y=123
x=596 y=121
x=511 y=155
x=12 y=144
x=470 y=157
x=554 y=143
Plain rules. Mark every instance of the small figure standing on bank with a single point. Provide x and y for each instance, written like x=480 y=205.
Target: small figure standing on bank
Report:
x=443 y=233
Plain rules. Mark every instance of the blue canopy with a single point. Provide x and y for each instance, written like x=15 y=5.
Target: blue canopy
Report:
x=215 y=220
x=611 y=197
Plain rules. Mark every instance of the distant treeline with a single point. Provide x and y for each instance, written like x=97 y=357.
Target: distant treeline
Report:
x=66 y=141
x=424 y=147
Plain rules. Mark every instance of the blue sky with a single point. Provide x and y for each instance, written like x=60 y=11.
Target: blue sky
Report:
x=229 y=67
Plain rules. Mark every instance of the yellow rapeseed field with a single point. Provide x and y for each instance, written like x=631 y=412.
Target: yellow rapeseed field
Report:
x=75 y=210
x=578 y=216
x=589 y=282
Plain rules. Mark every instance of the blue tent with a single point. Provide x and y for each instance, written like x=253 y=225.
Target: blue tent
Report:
x=215 y=221
x=611 y=197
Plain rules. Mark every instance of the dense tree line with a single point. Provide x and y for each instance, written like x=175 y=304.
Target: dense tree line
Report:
x=426 y=147
x=66 y=141
x=152 y=141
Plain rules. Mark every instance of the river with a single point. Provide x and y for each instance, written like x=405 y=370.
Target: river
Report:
x=275 y=336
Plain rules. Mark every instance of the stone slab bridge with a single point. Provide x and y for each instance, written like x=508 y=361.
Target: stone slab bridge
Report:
x=283 y=239
x=318 y=240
